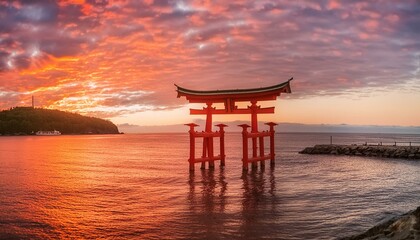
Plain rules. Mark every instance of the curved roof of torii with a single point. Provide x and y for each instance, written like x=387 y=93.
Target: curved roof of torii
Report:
x=275 y=89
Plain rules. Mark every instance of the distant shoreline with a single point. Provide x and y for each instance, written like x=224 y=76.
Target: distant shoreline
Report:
x=281 y=128
x=69 y=134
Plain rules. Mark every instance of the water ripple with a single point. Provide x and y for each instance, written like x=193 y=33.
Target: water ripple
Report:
x=139 y=186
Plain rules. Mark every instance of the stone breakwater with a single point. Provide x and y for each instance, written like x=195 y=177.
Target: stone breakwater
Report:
x=366 y=151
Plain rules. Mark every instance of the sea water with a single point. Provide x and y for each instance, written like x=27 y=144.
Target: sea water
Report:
x=139 y=186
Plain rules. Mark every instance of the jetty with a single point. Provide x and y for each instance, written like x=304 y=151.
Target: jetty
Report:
x=384 y=151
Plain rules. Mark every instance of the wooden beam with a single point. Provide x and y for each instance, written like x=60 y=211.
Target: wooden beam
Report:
x=206 y=159
x=204 y=111
x=234 y=111
x=265 y=96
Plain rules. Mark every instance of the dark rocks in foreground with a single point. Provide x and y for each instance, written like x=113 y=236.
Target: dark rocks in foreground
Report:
x=406 y=226
x=366 y=151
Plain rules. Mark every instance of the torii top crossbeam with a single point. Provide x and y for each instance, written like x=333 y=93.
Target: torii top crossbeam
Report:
x=230 y=97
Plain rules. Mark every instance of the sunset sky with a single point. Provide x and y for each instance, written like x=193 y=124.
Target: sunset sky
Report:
x=353 y=62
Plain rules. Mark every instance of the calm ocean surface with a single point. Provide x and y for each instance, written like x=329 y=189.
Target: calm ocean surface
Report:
x=139 y=186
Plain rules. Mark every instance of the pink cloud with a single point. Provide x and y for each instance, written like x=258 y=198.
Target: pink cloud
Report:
x=393 y=18
x=333 y=4
x=101 y=57
x=371 y=25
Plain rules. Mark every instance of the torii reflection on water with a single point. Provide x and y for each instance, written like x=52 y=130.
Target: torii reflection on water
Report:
x=213 y=209
x=212 y=189
x=258 y=203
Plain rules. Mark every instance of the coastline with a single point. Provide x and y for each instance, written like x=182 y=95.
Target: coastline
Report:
x=406 y=226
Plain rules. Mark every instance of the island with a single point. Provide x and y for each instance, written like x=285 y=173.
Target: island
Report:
x=29 y=121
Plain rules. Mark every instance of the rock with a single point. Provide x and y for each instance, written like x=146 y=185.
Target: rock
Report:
x=371 y=150
x=307 y=150
x=406 y=226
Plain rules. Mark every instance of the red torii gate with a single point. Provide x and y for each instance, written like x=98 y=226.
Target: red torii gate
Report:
x=229 y=98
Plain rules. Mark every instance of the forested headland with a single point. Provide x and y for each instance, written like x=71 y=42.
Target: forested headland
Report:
x=28 y=120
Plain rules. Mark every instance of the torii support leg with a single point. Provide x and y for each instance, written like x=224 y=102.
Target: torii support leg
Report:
x=191 y=160
x=254 y=129
x=208 y=142
x=203 y=164
x=244 y=146
x=222 y=144
x=272 y=151
x=209 y=151
x=262 y=163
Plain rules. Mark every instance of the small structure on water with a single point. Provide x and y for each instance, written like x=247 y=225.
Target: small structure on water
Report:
x=48 y=133
x=230 y=98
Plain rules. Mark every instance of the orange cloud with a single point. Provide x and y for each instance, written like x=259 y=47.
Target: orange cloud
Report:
x=124 y=56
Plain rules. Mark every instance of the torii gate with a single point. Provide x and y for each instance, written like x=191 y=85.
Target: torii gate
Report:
x=229 y=98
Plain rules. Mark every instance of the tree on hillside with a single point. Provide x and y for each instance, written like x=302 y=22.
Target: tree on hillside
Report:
x=23 y=120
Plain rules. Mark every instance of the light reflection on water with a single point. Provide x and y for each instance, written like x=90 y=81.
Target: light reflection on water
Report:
x=138 y=186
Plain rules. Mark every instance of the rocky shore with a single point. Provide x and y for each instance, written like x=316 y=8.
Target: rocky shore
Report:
x=405 y=152
x=406 y=226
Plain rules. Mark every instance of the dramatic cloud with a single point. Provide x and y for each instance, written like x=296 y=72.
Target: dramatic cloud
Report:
x=115 y=57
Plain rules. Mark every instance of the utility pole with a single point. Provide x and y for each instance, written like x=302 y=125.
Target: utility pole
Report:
x=33 y=102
